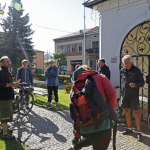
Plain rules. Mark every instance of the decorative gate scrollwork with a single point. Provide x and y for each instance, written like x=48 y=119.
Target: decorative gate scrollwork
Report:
x=137 y=44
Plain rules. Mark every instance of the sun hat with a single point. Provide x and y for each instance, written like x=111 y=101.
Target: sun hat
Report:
x=52 y=60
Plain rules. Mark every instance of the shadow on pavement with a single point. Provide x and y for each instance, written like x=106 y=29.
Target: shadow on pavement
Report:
x=37 y=125
x=65 y=115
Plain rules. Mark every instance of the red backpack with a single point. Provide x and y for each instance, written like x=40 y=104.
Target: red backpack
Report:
x=80 y=108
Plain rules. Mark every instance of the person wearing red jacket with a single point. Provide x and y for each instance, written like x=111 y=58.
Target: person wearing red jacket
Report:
x=98 y=138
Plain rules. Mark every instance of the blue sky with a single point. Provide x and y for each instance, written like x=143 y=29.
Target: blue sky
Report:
x=65 y=15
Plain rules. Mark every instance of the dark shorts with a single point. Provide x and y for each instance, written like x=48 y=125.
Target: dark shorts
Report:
x=132 y=103
x=6 y=111
x=100 y=140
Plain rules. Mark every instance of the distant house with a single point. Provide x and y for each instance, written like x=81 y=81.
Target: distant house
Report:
x=73 y=46
x=47 y=56
x=38 y=62
x=92 y=48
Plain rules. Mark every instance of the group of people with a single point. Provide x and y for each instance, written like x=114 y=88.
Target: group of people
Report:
x=7 y=93
x=99 y=88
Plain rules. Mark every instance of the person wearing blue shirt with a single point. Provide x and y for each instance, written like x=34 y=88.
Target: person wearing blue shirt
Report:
x=51 y=74
x=25 y=74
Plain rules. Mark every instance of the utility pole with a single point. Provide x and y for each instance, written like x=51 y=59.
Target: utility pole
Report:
x=84 y=34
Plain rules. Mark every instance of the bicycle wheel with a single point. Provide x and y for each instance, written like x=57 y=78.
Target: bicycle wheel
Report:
x=25 y=104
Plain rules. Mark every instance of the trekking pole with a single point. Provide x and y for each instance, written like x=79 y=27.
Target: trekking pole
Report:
x=148 y=121
x=114 y=136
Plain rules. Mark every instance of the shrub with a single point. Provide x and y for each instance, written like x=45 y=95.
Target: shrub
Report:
x=41 y=77
x=67 y=88
x=62 y=78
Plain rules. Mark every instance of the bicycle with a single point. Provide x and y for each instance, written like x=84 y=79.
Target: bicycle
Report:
x=23 y=101
x=119 y=110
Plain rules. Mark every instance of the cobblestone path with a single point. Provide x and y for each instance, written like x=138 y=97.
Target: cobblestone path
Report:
x=47 y=130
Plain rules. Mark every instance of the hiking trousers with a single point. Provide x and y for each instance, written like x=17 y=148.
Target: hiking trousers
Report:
x=100 y=140
x=55 y=90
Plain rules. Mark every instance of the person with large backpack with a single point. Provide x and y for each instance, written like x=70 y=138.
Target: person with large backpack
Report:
x=93 y=100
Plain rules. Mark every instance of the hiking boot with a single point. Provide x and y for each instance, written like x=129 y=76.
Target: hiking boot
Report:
x=70 y=148
x=139 y=137
x=48 y=107
x=127 y=132
x=8 y=136
x=10 y=131
x=57 y=107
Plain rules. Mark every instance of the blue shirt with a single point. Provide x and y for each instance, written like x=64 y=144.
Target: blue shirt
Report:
x=26 y=76
x=51 y=74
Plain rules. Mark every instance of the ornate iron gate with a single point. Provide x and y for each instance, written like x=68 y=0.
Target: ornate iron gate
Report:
x=137 y=44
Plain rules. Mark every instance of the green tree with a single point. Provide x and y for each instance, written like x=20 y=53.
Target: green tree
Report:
x=46 y=64
x=60 y=57
x=17 y=42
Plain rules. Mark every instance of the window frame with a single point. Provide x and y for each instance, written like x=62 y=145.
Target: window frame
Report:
x=79 y=47
x=72 y=48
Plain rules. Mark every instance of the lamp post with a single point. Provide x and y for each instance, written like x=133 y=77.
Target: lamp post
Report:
x=84 y=34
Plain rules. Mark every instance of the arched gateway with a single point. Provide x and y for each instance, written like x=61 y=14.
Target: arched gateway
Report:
x=137 y=44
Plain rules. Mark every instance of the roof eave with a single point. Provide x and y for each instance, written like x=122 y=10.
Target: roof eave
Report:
x=91 y=4
x=68 y=37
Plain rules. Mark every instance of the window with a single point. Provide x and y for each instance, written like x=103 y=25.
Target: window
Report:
x=65 y=48
x=58 y=47
x=80 y=48
x=95 y=44
x=72 y=48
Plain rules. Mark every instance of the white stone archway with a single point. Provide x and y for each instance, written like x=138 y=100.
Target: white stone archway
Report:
x=137 y=21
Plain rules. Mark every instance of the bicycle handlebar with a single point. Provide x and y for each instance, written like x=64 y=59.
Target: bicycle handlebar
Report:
x=23 y=84
x=116 y=87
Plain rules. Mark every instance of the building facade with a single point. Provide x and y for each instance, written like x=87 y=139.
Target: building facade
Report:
x=124 y=29
x=73 y=46
x=92 y=48
x=38 y=62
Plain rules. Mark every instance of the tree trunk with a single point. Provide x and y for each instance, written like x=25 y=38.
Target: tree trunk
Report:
x=14 y=72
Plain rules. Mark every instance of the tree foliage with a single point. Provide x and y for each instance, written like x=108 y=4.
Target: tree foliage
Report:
x=16 y=40
x=60 y=57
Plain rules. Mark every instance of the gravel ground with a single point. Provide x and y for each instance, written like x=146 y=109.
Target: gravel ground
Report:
x=47 y=130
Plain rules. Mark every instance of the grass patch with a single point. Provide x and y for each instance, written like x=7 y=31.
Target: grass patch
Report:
x=63 y=100
x=11 y=145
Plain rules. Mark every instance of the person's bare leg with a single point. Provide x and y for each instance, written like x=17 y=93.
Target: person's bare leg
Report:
x=4 y=126
x=137 y=119
x=128 y=116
